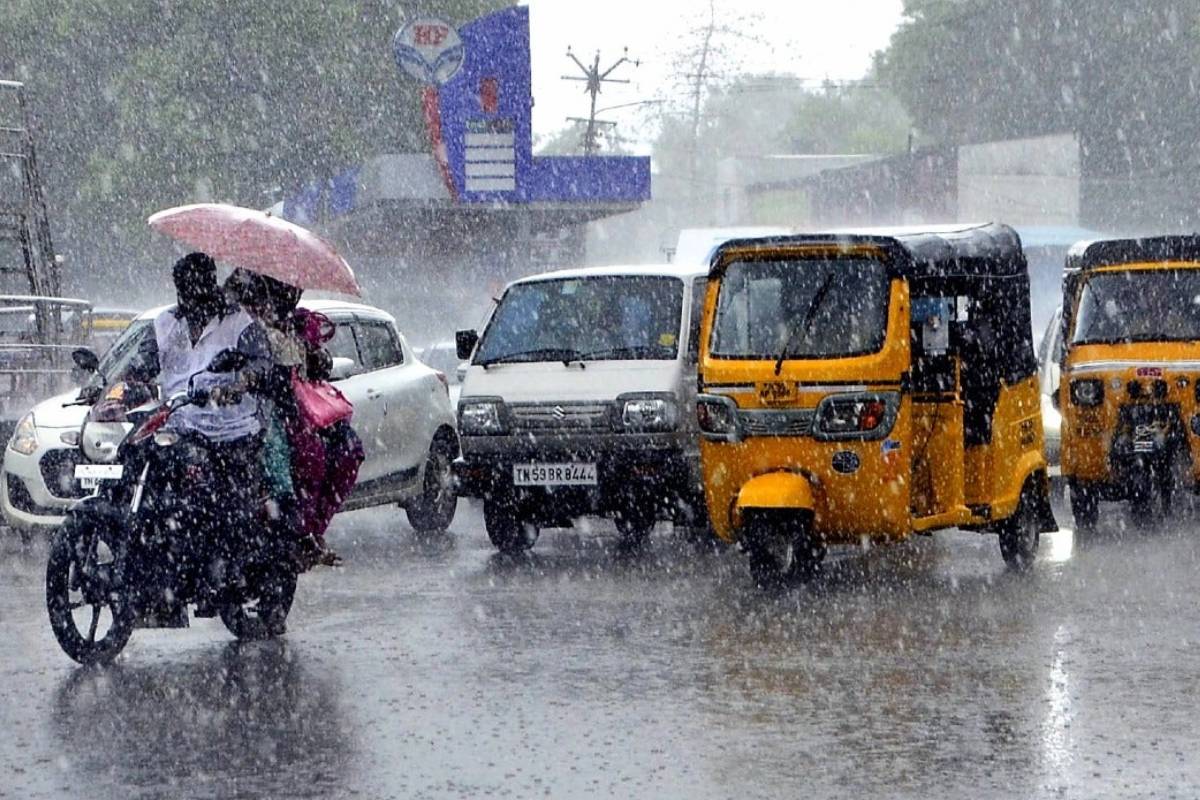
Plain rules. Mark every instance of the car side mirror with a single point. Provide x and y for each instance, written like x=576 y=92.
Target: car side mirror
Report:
x=341 y=368
x=464 y=343
x=85 y=359
x=228 y=360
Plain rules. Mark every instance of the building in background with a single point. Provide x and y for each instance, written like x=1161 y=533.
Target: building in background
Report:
x=434 y=235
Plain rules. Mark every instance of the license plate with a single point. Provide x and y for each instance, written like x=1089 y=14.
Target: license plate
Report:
x=91 y=475
x=576 y=474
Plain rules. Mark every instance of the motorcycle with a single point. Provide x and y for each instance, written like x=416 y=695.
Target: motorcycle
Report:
x=146 y=544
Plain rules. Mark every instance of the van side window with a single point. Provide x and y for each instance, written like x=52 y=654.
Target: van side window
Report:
x=379 y=345
x=699 y=289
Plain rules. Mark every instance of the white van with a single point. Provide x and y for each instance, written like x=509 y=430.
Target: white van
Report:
x=579 y=399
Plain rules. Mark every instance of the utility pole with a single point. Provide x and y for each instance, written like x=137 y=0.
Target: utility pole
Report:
x=595 y=79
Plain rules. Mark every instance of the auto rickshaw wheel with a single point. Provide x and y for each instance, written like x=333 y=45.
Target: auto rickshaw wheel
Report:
x=1085 y=507
x=1021 y=533
x=781 y=548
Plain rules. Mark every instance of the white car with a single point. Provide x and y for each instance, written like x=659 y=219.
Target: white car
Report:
x=402 y=413
x=443 y=357
x=1049 y=356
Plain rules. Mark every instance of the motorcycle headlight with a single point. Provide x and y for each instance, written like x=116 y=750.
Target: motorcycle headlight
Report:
x=24 y=438
x=856 y=416
x=649 y=414
x=717 y=417
x=479 y=417
x=100 y=440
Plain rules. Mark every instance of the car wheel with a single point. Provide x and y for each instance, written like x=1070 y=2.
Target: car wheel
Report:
x=508 y=532
x=635 y=522
x=433 y=511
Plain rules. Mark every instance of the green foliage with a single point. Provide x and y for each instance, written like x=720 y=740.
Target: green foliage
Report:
x=1122 y=75
x=143 y=104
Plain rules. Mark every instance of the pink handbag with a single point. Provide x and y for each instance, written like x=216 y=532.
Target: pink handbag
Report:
x=320 y=403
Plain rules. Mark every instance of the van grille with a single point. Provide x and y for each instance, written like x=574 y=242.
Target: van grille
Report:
x=562 y=416
x=770 y=422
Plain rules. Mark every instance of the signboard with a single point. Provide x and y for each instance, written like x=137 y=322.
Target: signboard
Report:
x=429 y=50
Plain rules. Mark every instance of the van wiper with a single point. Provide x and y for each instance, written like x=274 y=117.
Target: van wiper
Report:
x=809 y=316
x=563 y=354
x=629 y=351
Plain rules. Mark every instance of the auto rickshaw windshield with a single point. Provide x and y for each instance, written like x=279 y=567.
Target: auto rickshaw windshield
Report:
x=1141 y=305
x=804 y=308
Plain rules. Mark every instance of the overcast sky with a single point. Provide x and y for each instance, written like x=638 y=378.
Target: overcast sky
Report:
x=810 y=38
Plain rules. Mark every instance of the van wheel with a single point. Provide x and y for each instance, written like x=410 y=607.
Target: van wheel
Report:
x=509 y=533
x=433 y=511
x=634 y=524
x=1085 y=507
x=1021 y=533
x=782 y=549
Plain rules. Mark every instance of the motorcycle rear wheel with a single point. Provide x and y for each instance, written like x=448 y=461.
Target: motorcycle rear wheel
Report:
x=83 y=571
x=263 y=613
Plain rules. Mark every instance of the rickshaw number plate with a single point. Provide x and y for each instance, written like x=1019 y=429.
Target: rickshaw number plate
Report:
x=574 y=474
x=776 y=393
x=91 y=475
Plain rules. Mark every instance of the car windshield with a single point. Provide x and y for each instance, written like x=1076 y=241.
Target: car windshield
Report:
x=809 y=308
x=1142 y=305
x=601 y=318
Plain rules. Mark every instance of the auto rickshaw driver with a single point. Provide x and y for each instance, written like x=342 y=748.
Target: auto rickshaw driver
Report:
x=870 y=386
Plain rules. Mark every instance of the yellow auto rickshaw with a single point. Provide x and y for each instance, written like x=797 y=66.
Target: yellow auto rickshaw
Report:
x=867 y=386
x=1130 y=387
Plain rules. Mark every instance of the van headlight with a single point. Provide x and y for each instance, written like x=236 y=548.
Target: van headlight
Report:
x=869 y=415
x=649 y=413
x=1087 y=392
x=480 y=417
x=24 y=438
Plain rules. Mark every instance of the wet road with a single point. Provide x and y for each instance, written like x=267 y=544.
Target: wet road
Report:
x=443 y=670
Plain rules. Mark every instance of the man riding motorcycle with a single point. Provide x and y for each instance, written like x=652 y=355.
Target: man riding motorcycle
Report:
x=186 y=338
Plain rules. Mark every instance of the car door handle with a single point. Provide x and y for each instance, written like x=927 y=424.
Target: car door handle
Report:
x=373 y=395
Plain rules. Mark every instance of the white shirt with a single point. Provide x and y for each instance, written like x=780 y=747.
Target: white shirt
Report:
x=179 y=360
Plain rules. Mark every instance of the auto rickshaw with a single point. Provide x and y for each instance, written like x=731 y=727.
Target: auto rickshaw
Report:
x=1130 y=385
x=867 y=386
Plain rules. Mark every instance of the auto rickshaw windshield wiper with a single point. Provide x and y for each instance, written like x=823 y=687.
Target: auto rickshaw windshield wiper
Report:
x=809 y=316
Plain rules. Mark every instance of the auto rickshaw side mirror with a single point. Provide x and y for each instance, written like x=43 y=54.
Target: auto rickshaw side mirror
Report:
x=85 y=359
x=464 y=343
x=1055 y=397
x=228 y=360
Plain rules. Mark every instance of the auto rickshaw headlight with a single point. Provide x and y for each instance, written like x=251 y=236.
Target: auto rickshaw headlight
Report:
x=856 y=416
x=1087 y=392
x=717 y=417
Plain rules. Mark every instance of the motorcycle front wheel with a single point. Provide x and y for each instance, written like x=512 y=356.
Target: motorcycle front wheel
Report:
x=261 y=611
x=88 y=609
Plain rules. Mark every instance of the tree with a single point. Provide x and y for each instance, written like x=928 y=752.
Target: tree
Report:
x=147 y=103
x=1123 y=76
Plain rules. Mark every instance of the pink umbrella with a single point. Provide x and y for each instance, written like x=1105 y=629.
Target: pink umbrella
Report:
x=259 y=242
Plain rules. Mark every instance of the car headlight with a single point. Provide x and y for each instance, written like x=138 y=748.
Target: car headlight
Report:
x=717 y=417
x=856 y=415
x=649 y=414
x=24 y=438
x=479 y=417
x=1087 y=392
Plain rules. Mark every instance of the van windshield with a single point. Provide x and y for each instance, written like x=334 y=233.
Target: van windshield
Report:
x=601 y=318
x=810 y=308
x=1143 y=305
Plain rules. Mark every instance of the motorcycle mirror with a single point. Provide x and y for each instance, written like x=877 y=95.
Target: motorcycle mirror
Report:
x=228 y=361
x=85 y=359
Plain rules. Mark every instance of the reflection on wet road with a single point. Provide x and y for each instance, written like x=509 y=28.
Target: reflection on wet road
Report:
x=440 y=669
